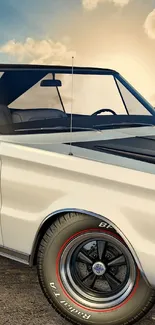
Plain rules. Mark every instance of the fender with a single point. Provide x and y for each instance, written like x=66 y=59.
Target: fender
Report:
x=50 y=184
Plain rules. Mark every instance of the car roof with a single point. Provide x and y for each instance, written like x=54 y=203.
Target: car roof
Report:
x=58 y=68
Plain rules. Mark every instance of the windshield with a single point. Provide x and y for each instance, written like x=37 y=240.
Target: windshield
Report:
x=41 y=94
x=91 y=93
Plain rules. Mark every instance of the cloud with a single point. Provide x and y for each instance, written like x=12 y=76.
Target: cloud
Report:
x=38 y=51
x=149 y=25
x=92 y=4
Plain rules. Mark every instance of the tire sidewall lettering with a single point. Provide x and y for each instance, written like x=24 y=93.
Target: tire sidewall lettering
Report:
x=69 y=307
x=105 y=225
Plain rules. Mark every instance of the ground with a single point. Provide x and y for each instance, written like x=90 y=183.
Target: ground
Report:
x=22 y=301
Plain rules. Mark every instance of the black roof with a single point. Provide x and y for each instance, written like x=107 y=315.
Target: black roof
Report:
x=57 y=68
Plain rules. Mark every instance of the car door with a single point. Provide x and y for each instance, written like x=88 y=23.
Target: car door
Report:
x=1 y=241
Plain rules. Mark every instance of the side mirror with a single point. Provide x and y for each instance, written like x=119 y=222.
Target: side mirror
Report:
x=50 y=83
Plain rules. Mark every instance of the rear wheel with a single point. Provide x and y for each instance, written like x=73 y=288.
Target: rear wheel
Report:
x=89 y=275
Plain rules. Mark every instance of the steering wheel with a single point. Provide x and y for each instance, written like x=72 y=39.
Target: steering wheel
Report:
x=104 y=110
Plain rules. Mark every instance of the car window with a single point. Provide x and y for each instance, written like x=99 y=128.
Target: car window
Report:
x=90 y=93
x=38 y=97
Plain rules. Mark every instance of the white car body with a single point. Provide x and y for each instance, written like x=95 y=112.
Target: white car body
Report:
x=40 y=180
x=78 y=187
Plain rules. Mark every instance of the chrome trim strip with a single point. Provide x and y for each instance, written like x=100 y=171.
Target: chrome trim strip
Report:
x=92 y=214
x=14 y=255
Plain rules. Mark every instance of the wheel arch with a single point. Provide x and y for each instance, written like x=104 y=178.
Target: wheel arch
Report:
x=47 y=222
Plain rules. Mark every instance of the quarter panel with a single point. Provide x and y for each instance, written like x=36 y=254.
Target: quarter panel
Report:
x=37 y=183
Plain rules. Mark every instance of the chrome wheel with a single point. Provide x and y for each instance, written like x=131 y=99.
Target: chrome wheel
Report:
x=97 y=270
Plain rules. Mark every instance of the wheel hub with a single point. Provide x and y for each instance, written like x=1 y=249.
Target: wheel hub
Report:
x=99 y=268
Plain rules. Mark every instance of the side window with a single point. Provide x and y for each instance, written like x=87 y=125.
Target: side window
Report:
x=133 y=105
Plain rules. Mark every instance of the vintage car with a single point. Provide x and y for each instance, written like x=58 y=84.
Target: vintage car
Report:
x=77 y=173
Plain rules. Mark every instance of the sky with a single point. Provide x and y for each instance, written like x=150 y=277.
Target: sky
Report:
x=117 y=34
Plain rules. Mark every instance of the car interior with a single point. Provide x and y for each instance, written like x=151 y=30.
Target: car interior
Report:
x=16 y=117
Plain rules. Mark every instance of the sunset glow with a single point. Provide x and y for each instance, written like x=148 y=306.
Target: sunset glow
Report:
x=117 y=34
